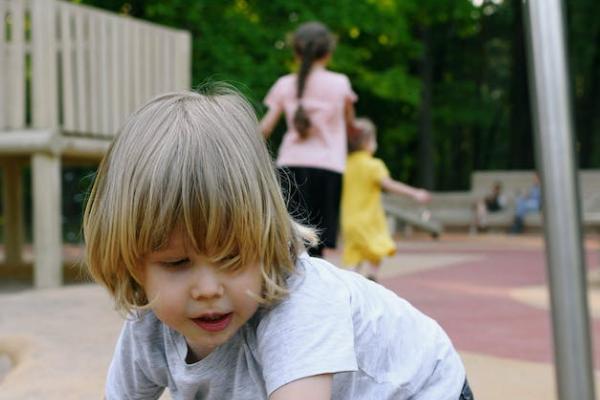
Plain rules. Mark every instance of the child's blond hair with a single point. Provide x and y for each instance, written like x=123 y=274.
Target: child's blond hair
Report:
x=195 y=162
x=364 y=131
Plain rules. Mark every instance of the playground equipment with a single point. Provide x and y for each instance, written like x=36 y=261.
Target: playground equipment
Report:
x=410 y=217
x=69 y=75
x=560 y=187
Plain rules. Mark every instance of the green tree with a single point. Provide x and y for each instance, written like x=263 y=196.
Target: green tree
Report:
x=445 y=81
x=584 y=44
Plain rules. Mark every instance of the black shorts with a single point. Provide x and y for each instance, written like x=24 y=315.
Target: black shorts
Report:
x=466 y=393
x=313 y=197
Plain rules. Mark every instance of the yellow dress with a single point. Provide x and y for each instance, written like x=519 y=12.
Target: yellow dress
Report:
x=364 y=228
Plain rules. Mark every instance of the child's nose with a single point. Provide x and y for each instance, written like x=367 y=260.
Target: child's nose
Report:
x=207 y=283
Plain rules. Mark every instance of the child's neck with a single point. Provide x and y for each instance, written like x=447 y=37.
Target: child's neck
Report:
x=322 y=63
x=365 y=151
x=368 y=149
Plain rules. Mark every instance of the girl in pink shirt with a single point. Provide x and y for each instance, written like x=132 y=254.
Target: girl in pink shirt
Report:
x=318 y=108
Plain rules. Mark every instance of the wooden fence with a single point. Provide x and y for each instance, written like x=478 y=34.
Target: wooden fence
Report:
x=69 y=76
x=81 y=70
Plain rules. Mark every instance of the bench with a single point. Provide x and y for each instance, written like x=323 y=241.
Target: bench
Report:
x=454 y=210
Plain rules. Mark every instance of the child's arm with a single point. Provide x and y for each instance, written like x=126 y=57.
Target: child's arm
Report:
x=390 y=185
x=349 y=117
x=316 y=387
x=268 y=122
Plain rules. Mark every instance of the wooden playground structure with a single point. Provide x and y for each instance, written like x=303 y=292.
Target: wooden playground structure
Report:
x=69 y=76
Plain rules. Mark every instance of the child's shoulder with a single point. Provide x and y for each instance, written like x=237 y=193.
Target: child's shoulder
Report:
x=332 y=79
x=144 y=324
x=314 y=283
x=284 y=86
x=312 y=326
x=313 y=273
x=143 y=333
x=286 y=80
x=365 y=160
x=334 y=74
x=378 y=166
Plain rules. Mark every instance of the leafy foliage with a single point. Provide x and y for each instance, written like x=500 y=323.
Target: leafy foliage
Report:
x=479 y=104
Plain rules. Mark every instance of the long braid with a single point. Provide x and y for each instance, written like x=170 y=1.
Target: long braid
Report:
x=301 y=119
x=312 y=41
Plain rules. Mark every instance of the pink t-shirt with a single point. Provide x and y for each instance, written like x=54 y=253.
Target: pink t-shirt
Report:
x=324 y=99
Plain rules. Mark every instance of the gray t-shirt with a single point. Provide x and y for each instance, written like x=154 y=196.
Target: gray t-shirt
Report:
x=334 y=321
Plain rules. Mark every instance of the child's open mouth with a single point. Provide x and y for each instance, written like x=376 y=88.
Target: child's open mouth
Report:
x=214 y=322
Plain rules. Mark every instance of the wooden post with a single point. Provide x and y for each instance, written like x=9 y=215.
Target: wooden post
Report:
x=82 y=72
x=95 y=67
x=104 y=103
x=3 y=68
x=136 y=65
x=44 y=69
x=16 y=68
x=115 y=75
x=68 y=91
x=13 y=213
x=47 y=237
x=47 y=228
x=146 y=70
x=183 y=60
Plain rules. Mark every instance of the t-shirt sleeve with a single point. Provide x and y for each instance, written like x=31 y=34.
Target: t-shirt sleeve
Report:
x=310 y=333
x=350 y=95
x=126 y=378
x=274 y=98
x=378 y=171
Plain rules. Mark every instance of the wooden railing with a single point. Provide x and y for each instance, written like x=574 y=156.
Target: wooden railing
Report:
x=81 y=70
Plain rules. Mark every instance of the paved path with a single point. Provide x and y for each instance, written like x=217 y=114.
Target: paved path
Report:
x=488 y=293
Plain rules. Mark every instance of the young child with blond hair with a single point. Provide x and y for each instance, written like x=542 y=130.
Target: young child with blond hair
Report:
x=364 y=228
x=187 y=228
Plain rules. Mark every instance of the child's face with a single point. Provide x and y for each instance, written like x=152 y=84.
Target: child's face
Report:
x=190 y=295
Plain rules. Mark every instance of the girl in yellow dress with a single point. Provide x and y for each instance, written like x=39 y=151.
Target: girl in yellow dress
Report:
x=364 y=229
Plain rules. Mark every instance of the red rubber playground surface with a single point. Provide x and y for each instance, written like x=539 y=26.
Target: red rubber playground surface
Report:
x=472 y=300
x=490 y=294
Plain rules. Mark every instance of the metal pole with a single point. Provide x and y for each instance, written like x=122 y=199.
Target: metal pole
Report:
x=562 y=215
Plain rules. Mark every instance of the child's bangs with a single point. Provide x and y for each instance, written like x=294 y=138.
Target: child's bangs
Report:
x=218 y=229
x=211 y=194
x=222 y=221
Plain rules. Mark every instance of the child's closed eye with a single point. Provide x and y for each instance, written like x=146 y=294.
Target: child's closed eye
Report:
x=177 y=263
